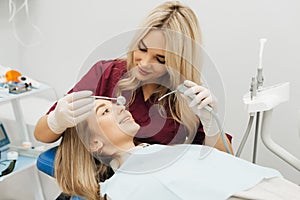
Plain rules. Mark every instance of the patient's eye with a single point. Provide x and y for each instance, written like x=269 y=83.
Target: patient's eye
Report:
x=161 y=60
x=105 y=111
x=142 y=47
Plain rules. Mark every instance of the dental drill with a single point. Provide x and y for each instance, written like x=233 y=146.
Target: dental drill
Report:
x=181 y=89
x=120 y=99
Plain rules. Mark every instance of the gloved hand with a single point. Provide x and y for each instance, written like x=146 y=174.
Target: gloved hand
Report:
x=203 y=98
x=70 y=110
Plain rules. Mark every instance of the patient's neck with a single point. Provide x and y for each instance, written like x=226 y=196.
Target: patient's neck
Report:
x=126 y=146
x=123 y=152
x=121 y=157
x=125 y=143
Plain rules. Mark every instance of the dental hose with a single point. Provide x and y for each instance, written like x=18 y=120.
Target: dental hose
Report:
x=241 y=146
x=223 y=135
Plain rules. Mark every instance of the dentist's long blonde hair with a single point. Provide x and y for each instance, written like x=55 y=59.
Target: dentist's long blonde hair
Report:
x=182 y=56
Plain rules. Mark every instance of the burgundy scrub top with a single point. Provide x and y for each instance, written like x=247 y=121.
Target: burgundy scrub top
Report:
x=155 y=129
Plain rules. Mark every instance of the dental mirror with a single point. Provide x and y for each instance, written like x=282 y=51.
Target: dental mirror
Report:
x=120 y=99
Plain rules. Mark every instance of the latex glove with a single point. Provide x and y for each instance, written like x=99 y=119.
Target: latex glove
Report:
x=203 y=97
x=70 y=110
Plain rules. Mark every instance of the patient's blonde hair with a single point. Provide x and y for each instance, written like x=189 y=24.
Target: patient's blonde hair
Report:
x=76 y=171
x=183 y=38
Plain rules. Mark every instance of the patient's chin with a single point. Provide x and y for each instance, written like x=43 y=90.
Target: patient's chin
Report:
x=130 y=129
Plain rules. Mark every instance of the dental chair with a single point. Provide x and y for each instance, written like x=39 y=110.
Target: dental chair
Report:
x=45 y=163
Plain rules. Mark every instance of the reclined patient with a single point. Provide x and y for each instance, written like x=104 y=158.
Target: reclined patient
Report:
x=104 y=142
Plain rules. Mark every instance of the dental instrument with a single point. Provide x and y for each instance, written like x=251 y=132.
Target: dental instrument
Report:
x=181 y=89
x=260 y=78
x=120 y=99
x=256 y=85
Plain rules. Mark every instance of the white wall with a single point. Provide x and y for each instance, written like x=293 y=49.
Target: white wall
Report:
x=231 y=32
x=9 y=48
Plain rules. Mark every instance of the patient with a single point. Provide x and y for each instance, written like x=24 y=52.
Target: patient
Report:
x=154 y=171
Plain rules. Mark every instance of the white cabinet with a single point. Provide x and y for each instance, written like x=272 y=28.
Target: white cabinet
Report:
x=24 y=181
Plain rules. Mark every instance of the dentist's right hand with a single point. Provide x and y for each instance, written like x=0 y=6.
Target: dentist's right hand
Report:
x=70 y=110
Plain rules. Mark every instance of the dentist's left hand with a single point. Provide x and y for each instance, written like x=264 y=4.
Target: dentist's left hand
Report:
x=70 y=110
x=203 y=97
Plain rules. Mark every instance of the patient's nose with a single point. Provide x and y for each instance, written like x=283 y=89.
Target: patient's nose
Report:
x=119 y=108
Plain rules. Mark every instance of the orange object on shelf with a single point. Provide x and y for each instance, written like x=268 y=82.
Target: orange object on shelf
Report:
x=12 y=75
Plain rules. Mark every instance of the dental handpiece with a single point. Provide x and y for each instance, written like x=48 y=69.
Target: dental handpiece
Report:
x=181 y=89
x=120 y=99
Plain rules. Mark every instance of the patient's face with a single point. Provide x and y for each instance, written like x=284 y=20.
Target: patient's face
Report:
x=115 y=121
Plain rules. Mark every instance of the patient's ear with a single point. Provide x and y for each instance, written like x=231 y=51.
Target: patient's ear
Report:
x=95 y=145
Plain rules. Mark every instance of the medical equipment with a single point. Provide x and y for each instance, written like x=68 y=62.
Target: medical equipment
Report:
x=12 y=76
x=256 y=84
x=263 y=102
x=260 y=78
x=10 y=155
x=4 y=140
x=17 y=88
x=181 y=89
x=120 y=99
x=31 y=82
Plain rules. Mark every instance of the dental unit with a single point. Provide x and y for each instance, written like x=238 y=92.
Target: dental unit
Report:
x=262 y=100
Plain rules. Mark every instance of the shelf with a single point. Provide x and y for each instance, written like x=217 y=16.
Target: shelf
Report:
x=6 y=96
x=22 y=163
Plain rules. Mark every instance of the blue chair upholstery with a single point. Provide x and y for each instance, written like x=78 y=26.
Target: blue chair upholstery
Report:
x=45 y=163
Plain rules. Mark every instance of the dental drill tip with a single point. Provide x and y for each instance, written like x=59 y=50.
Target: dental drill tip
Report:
x=121 y=100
